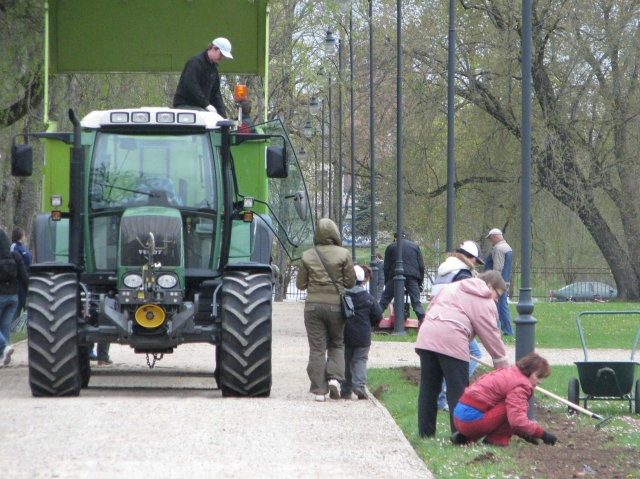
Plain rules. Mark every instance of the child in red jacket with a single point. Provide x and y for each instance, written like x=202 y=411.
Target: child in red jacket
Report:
x=496 y=405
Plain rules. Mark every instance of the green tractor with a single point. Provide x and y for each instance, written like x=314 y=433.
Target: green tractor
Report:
x=157 y=231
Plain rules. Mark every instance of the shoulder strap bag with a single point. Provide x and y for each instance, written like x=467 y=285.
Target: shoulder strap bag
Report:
x=346 y=303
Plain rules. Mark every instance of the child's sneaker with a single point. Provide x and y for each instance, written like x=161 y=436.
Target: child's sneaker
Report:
x=361 y=393
x=334 y=389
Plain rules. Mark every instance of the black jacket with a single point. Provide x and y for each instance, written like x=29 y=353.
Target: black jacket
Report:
x=199 y=85
x=357 y=331
x=412 y=261
x=9 y=286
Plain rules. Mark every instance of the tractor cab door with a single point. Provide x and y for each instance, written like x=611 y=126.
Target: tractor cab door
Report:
x=272 y=176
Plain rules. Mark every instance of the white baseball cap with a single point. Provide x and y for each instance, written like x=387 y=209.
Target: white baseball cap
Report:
x=224 y=45
x=494 y=231
x=359 y=273
x=473 y=249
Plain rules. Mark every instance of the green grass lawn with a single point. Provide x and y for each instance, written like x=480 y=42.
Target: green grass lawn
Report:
x=557 y=326
x=448 y=461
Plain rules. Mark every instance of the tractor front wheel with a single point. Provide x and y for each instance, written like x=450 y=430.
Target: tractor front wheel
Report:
x=54 y=366
x=245 y=351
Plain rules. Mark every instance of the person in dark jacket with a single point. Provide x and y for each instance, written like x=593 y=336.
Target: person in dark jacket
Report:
x=199 y=85
x=381 y=282
x=18 y=238
x=246 y=125
x=413 y=265
x=12 y=273
x=322 y=313
x=357 y=335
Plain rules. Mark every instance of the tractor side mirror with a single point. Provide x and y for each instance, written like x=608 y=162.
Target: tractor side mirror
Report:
x=277 y=163
x=21 y=159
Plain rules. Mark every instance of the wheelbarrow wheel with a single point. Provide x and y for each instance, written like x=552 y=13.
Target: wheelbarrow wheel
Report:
x=637 y=396
x=574 y=394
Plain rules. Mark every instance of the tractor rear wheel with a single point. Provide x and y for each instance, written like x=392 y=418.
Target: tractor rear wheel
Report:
x=54 y=368
x=574 y=394
x=245 y=351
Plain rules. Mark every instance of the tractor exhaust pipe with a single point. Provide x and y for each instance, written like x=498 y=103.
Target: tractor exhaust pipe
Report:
x=76 y=196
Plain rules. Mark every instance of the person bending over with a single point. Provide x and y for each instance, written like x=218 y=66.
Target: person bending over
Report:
x=495 y=406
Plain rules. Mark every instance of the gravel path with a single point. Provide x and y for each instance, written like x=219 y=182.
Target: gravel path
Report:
x=171 y=422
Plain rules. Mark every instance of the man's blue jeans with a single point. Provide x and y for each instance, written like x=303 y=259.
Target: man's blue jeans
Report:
x=8 y=306
x=504 y=315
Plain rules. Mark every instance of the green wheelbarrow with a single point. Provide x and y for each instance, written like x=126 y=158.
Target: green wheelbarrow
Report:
x=605 y=380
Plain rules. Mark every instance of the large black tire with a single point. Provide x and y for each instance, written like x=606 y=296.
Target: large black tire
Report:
x=245 y=352
x=54 y=367
x=574 y=393
x=637 y=397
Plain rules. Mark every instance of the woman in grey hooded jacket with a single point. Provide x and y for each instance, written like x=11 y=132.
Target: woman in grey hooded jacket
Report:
x=322 y=315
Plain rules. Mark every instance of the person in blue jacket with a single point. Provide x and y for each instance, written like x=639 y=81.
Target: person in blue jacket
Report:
x=501 y=259
x=18 y=239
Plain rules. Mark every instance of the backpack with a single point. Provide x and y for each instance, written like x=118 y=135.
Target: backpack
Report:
x=8 y=270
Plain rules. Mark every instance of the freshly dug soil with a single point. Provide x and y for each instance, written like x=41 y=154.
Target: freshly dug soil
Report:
x=580 y=452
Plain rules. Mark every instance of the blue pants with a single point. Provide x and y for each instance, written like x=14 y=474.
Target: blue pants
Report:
x=504 y=315
x=476 y=352
x=8 y=305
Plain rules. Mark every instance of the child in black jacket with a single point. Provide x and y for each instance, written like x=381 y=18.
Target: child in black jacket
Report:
x=357 y=335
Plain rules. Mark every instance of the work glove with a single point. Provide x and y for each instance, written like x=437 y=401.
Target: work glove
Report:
x=530 y=439
x=212 y=109
x=549 y=438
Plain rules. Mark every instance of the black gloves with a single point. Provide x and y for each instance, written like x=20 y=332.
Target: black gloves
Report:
x=549 y=438
x=530 y=439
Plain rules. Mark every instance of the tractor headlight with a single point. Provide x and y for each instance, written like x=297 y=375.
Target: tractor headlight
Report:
x=132 y=280
x=167 y=281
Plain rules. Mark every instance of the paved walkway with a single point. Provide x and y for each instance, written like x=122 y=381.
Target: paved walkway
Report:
x=171 y=422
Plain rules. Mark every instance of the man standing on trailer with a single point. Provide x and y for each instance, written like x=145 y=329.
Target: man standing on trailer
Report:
x=500 y=259
x=199 y=85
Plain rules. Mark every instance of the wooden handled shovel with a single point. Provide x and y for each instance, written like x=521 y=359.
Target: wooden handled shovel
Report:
x=573 y=406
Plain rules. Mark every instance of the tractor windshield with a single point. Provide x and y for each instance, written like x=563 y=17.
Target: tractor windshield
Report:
x=147 y=170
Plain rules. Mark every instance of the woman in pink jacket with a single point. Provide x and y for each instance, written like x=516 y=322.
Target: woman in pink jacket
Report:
x=496 y=405
x=459 y=312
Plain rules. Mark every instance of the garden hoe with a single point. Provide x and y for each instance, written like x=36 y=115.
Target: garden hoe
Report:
x=573 y=406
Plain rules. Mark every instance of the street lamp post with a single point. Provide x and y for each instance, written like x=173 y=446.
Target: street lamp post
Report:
x=302 y=156
x=398 y=328
x=314 y=105
x=353 y=141
x=450 y=122
x=373 y=289
x=331 y=46
x=525 y=323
